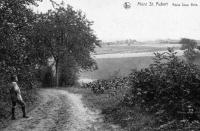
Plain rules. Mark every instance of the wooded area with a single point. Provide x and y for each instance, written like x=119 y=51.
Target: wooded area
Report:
x=29 y=40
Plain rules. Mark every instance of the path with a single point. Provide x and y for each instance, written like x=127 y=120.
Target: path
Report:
x=60 y=110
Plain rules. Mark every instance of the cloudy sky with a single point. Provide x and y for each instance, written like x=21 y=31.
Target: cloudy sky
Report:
x=113 y=22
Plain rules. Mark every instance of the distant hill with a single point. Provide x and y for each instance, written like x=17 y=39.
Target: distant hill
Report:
x=132 y=42
x=165 y=41
x=120 y=42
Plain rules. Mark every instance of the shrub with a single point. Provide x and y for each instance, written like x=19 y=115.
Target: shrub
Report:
x=99 y=86
x=168 y=87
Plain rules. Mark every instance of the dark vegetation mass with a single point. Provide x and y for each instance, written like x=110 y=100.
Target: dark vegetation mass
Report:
x=99 y=86
x=169 y=90
x=45 y=49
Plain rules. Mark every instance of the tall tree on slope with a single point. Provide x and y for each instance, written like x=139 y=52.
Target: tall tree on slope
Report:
x=66 y=32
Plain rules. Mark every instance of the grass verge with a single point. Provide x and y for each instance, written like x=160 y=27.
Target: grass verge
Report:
x=114 y=111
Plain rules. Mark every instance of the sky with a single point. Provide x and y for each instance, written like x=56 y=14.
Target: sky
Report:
x=113 y=22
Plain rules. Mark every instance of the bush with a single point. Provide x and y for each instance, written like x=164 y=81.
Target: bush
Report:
x=99 y=86
x=170 y=87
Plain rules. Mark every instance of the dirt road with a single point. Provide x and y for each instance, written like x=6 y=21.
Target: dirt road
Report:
x=60 y=110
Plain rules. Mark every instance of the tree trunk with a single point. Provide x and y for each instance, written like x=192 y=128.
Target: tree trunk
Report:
x=57 y=75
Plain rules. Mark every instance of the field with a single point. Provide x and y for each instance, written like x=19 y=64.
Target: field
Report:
x=130 y=57
x=116 y=66
x=136 y=48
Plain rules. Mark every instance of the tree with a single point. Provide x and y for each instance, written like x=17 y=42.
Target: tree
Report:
x=190 y=47
x=66 y=32
x=16 y=50
x=188 y=43
x=68 y=71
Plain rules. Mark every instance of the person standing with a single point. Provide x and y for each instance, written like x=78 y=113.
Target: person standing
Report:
x=16 y=97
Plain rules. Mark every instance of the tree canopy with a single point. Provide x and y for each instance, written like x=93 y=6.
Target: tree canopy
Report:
x=29 y=39
x=190 y=46
x=66 y=32
x=16 y=50
x=17 y=53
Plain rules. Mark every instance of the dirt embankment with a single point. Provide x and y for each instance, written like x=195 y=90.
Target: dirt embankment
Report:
x=60 y=110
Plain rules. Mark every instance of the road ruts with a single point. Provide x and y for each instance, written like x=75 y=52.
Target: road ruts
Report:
x=60 y=110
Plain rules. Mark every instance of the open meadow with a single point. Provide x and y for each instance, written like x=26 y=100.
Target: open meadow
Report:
x=134 y=48
x=116 y=66
x=119 y=60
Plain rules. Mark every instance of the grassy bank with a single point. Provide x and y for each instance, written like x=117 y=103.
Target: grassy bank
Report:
x=109 y=103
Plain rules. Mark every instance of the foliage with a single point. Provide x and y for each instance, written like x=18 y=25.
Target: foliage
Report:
x=15 y=24
x=168 y=88
x=18 y=53
x=189 y=46
x=64 y=31
x=188 y=43
x=110 y=102
x=68 y=71
x=46 y=76
x=175 y=125
x=99 y=86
